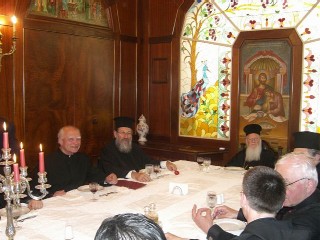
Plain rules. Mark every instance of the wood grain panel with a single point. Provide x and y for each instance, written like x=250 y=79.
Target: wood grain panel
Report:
x=162 y=16
x=160 y=91
x=68 y=81
x=128 y=79
x=127 y=11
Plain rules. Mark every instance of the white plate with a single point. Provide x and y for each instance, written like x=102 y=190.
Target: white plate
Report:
x=234 y=168
x=85 y=188
x=230 y=225
x=213 y=167
x=16 y=212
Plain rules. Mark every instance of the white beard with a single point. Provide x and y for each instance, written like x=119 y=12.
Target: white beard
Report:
x=124 y=145
x=253 y=154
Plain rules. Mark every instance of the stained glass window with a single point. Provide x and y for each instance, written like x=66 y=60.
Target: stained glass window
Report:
x=209 y=32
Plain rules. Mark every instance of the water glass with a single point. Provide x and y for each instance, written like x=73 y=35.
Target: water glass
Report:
x=206 y=164
x=200 y=162
x=211 y=199
x=149 y=169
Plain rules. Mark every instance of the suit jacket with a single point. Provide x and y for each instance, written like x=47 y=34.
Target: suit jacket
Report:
x=263 y=229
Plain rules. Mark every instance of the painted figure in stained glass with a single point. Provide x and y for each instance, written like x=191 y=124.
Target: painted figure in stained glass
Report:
x=190 y=101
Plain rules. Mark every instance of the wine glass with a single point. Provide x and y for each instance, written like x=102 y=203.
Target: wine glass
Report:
x=156 y=169
x=207 y=163
x=149 y=169
x=200 y=162
x=93 y=186
x=211 y=199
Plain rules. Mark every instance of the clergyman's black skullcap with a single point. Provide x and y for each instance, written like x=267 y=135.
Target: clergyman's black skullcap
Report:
x=123 y=122
x=306 y=139
x=252 y=128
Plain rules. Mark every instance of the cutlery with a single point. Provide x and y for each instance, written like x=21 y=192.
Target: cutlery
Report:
x=106 y=194
x=23 y=219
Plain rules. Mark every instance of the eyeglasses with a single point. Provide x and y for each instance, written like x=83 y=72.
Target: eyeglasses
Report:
x=253 y=139
x=288 y=184
x=125 y=133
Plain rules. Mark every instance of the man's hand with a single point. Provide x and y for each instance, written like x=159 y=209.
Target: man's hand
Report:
x=224 y=212
x=141 y=177
x=171 y=166
x=59 y=193
x=202 y=217
x=111 y=178
x=35 y=204
x=170 y=236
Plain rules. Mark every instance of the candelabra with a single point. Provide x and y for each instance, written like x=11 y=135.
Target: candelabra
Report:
x=14 y=40
x=13 y=188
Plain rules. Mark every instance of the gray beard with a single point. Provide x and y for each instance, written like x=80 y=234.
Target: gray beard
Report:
x=124 y=145
x=253 y=154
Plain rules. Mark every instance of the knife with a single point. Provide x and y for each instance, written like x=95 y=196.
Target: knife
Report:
x=22 y=220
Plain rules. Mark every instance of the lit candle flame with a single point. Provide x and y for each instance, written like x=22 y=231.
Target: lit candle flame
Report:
x=14 y=158
x=40 y=147
x=21 y=145
x=4 y=126
x=14 y=19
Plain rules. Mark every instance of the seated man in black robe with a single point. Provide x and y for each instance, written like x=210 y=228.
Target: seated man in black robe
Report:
x=263 y=194
x=68 y=169
x=309 y=143
x=125 y=158
x=255 y=154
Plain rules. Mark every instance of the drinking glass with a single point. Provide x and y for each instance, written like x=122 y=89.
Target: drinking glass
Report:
x=156 y=169
x=206 y=164
x=200 y=162
x=93 y=186
x=149 y=169
x=211 y=199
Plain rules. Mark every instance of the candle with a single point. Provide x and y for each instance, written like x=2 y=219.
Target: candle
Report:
x=14 y=21
x=5 y=137
x=16 y=173
x=22 y=159
x=41 y=160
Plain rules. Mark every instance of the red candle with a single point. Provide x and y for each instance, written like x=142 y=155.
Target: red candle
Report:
x=22 y=159
x=41 y=160
x=5 y=137
x=16 y=172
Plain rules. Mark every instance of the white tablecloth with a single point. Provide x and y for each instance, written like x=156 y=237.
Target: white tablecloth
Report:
x=85 y=216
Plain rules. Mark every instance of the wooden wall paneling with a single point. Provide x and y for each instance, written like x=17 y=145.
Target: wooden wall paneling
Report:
x=128 y=78
x=160 y=90
x=93 y=91
x=49 y=88
x=143 y=60
x=127 y=17
x=162 y=17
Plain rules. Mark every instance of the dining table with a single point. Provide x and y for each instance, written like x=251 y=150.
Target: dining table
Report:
x=173 y=194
